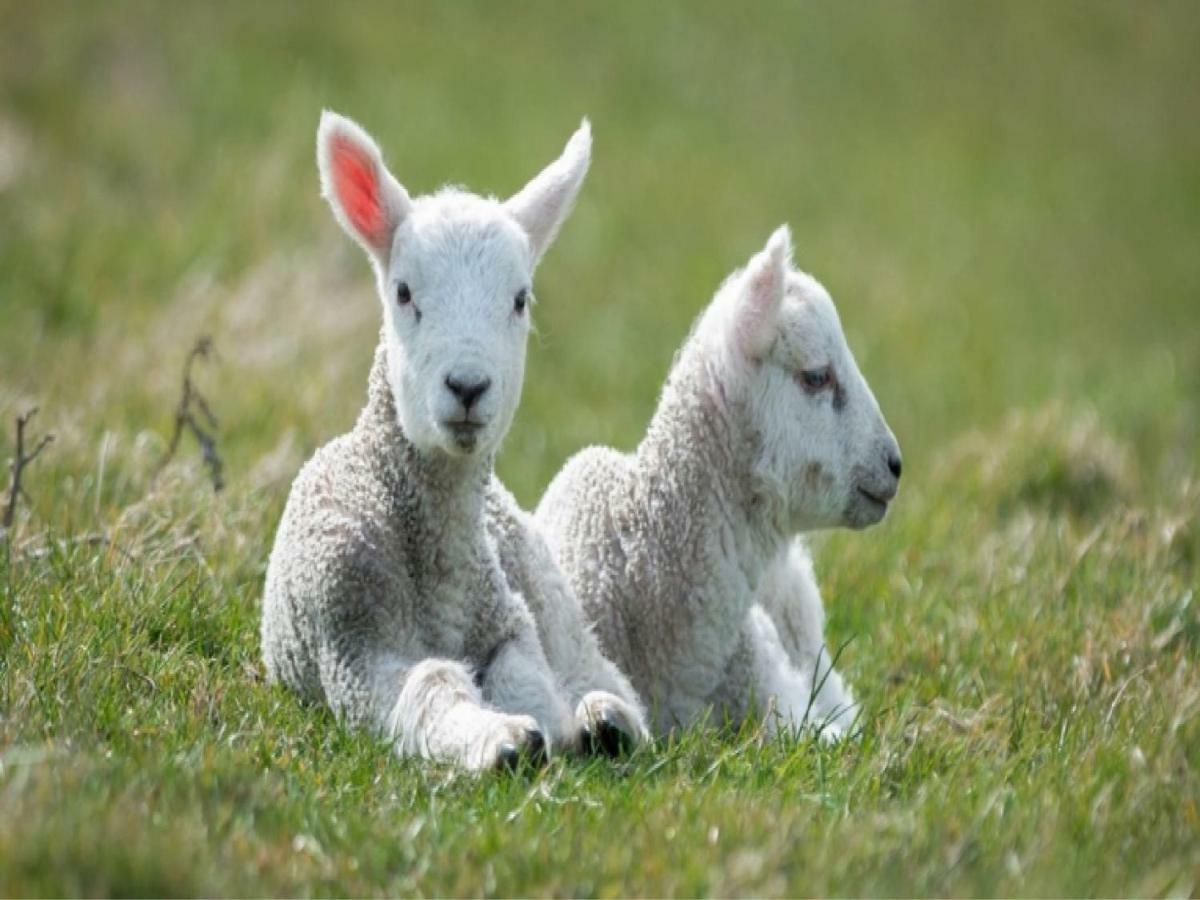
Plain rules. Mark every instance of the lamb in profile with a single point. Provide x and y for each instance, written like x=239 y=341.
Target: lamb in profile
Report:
x=405 y=584
x=686 y=553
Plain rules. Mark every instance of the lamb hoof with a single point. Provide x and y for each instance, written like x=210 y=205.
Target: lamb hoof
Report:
x=531 y=752
x=607 y=737
x=535 y=748
x=608 y=725
x=507 y=758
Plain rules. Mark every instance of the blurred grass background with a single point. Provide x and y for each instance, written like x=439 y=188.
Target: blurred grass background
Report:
x=1003 y=199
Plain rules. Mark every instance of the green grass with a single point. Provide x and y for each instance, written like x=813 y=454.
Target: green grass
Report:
x=1005 y=201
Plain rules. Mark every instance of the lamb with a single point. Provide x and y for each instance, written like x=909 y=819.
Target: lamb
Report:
x=686 y=553
x=406 y=589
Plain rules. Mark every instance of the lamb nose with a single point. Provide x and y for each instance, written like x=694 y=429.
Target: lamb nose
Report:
x=894 y=464
x=467 y=390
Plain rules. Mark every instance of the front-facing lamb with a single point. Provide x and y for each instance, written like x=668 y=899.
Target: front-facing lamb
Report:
x=686 y=553
x=400 y=588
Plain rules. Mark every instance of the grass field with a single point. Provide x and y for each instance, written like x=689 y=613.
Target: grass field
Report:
x=1003 y=198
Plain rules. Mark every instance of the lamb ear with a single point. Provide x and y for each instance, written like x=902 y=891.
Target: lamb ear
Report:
x=542 y=205
x=761 y=292
x=366 y=200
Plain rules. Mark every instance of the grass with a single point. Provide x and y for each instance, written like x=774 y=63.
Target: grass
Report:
x=1005 y=200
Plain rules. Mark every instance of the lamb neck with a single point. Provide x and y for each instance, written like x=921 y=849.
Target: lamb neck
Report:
x=697 y=459
x=437 y=491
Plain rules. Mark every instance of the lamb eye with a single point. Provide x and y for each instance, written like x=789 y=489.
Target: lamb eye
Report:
x=520 y=300
x=403 y=294
x=816 y=379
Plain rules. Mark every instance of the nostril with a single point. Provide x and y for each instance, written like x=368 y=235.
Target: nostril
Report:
x=894 y=464
x=467 y=390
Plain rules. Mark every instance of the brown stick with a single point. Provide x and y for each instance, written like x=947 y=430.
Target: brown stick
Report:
x=17 y=465
x=185 y=418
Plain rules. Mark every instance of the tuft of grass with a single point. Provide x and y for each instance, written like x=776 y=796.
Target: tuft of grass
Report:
x=1052 y=460
x=1003 y=200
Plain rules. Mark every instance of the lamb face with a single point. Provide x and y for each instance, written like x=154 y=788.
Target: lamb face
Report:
x=821 y=441
x=454 y=273
x=457 y=293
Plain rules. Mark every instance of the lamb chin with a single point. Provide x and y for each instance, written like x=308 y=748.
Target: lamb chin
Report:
x=865 y=512
x=463 y=440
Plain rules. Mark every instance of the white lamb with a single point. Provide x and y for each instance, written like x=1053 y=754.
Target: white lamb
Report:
x=686 y=553
x=406 y=588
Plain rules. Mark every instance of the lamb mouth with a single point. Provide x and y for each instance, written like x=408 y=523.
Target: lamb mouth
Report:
x=465 y=432
x=875 y=499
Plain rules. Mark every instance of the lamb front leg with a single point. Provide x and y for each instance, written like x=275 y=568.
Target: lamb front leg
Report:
x=813 y=699
x=518 y=680
x=607 y=708
x=440 y=714
x=789 y=595
x=608 y=713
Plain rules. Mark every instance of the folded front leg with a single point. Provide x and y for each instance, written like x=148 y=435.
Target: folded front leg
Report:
x=518 y=680
x=608 y=712
x=607 y=709
x=440 y=714
x=813 y=699
x=788 y=594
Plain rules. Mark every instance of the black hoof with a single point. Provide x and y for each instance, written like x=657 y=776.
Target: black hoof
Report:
x=508 y=759
x=607 y=738
x=535 y=748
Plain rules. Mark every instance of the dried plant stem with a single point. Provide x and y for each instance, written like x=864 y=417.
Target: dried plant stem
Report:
x=17 y=465
x=192 y=401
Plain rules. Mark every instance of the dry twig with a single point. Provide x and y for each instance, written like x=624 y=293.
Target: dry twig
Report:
x=191 y=401
x=17 y=465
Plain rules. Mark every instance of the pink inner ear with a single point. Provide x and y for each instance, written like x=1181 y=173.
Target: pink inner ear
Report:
x=763 y=283
x=761 y=297
x=754 y=323
x=357 y=185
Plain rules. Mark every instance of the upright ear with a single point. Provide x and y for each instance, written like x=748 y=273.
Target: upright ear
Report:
x=366 y=200
x=760 y=295
x=542 y=205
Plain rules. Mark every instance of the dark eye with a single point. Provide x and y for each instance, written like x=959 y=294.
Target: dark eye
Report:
x=403 y=294
x=816 y=379
x=521 y=300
